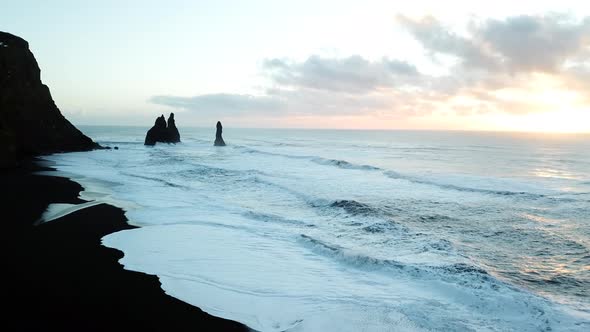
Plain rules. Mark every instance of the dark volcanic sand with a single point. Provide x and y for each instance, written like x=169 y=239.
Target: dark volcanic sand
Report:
x=58 y=276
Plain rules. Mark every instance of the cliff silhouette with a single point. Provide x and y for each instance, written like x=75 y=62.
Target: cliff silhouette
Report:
x=30 y=122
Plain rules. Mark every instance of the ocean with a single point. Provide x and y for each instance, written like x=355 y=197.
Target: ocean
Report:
x=317 y=230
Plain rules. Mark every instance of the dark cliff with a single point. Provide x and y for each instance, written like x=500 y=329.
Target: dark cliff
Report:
x=30 y=122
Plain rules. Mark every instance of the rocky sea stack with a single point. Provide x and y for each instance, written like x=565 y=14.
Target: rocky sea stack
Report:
x=162 y=132
x=218 y=139
x=30 y=122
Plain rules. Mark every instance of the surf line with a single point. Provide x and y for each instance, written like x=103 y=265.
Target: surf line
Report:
x=58 y=210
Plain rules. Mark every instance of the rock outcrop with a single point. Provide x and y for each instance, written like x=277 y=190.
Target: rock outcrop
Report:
x=218 y=139
x=173 y=134
x=30 y=122
x=162 y=132
x=157 y=133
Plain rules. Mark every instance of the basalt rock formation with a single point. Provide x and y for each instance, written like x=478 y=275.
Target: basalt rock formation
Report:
x=157 y=133
x=161 y=132
x=30 y=122
x=218 y=139
x=173 y=134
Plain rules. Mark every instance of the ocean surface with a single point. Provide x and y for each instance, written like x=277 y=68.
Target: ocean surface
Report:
x=332 y=230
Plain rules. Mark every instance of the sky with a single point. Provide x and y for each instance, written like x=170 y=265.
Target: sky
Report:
x=443 y=65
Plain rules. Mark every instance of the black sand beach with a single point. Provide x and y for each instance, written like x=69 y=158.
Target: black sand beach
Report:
x=57 y=276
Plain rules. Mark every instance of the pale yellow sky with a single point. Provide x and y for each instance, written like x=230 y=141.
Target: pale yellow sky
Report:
x=501 y=65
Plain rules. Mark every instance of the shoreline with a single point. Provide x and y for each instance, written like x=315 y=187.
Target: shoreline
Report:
x=60 y=276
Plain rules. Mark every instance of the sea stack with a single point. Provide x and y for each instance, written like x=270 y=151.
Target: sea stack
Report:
x=218 y=139
x=173 y=134
x=162 y=132
x=30 y=122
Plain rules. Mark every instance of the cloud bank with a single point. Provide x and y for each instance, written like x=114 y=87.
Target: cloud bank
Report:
x=221 y=103
x=521 y=64
x=350 y=75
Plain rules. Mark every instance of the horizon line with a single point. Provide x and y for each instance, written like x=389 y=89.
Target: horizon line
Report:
x=366 y=129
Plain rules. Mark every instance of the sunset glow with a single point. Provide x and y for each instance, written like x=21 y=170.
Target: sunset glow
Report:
x=303 y=166
x=560 y=121
x=421 y=65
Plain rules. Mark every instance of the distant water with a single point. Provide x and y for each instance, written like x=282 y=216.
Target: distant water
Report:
x=311 y=230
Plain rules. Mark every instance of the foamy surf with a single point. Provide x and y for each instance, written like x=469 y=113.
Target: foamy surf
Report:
x=294 y=237
x=58 y=210
x=272 y=283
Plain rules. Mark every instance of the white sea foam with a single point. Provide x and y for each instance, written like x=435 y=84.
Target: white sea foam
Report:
x=271 y=283
x=332 y=241
x=58 y=210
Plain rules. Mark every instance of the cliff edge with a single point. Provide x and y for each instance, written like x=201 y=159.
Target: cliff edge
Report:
x=30 y=122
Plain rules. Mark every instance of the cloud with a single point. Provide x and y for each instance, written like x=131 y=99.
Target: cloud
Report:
x=510 y=65
x=320 y=86
x=529 y=55
x=515 y=44
x=322 y=102
x=221 y=103
x=437 y=39
x=353 y=74
x=532 y=43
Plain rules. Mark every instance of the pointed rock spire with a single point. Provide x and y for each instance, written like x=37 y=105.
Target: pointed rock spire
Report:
x=173 y=134
x=218 y=139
